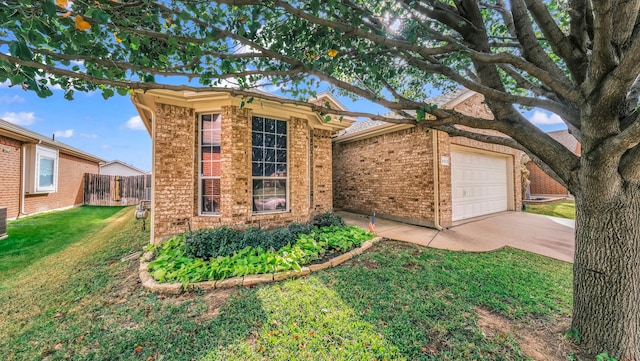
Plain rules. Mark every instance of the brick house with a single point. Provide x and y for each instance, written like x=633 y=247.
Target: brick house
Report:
x=543 y=184
x=220 y=160
x=40 y=174
x=405 y=173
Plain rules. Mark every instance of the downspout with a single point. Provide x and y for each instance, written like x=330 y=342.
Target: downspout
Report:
x=153 y=165
x=23 y=158
x=436 y=181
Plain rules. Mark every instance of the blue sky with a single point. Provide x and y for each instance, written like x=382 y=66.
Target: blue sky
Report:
x=111 y=129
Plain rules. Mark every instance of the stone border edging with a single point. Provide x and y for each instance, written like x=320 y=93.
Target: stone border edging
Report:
x=247 y=281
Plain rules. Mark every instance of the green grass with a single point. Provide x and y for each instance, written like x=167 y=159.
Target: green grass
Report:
x=394 y=302
x=563 y=209
x=35 y=237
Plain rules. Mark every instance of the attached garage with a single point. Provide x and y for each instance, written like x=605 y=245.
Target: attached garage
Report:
x=409 y=174
x=479 y=183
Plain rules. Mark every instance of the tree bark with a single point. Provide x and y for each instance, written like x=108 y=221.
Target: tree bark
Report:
x=606 y=310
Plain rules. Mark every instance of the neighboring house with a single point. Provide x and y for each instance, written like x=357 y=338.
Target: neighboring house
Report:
x=116 y=167
x=408 y=173
x=39 y=174
x=543 y=184
x=219 y=159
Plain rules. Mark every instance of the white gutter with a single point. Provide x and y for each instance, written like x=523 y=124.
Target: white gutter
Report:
x=436 y=181
x=153 y=165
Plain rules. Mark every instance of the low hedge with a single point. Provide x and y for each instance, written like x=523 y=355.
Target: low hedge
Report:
x=174 y=264
x=225 y=241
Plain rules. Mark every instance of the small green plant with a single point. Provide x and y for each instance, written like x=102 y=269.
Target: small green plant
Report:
x=573 y=334
x=605 y=357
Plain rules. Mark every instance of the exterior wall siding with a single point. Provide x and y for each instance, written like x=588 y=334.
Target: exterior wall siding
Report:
x=176 y=171
x=10 y=177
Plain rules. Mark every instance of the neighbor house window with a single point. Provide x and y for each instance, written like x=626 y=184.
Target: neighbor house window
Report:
x=210 y=132
x=269 y=164
x=42 y=169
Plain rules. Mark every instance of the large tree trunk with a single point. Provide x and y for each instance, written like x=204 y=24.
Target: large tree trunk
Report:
x=606 y=311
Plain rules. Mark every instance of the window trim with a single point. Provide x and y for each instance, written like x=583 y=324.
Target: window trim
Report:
x=34 y=154
x=287 y=180
x=199 y=165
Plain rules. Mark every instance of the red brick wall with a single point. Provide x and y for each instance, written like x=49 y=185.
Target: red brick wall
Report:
x=541 y=183
x=10 y=175
x=70 y=192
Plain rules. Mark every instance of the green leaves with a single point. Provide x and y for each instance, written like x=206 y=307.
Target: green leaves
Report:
x=172 y=263
x=421 y=113
x=20 y=50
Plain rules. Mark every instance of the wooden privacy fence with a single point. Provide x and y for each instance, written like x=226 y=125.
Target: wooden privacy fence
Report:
x=113 y=190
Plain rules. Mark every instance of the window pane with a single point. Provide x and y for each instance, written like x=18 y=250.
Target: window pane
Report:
x=210 y=196
x=257 y=169
x=269 y=195
x=282 y=156
x=282 y=127
x=257 y=124
x=269 y=170
x=46 y=172
x=269 y=140
x=269 y=155
x=281 y=141
x=210 y=165
x=258 y=154
x=257 y=139
x=269 y=126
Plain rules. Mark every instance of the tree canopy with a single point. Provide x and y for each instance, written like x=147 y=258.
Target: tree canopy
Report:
x=578 y=59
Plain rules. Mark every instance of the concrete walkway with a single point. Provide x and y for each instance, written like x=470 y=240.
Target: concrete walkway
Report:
x=548 y=236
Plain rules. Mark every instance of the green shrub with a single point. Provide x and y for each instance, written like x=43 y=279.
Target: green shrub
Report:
x=174 y=264
x=211 y=243
x=328 y=219
x=301 y=228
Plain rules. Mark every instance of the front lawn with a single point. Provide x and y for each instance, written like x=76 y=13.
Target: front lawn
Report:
x=396 y=301
x=564 y=209
x=34 y=238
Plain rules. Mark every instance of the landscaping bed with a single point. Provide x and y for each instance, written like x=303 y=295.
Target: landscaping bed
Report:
x=223 y=253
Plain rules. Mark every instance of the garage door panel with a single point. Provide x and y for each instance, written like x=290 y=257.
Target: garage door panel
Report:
x=478 y=184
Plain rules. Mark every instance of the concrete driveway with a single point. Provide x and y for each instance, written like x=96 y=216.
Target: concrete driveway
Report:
x=548 y=236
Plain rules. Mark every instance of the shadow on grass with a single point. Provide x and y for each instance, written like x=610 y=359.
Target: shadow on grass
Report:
x=423 y=300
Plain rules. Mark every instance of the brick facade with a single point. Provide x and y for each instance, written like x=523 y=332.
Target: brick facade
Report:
x=10 y=175
x=176 y=168
x=71 y=170
x=393 y=173
x=542 y=184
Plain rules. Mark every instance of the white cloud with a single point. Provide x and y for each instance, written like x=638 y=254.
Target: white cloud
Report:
x=135 y=123
x=5 y=84
x=88 y=135
x=63 y=133
x=544 y=118
x=11 y=99
x=105 y=146
x=21 y=118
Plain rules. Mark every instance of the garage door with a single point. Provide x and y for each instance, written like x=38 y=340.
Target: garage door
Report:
x=478 y=184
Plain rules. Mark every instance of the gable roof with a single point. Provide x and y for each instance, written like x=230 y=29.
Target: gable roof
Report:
x=124 y=165
x=369 y=127
x=565 y=138
x=13 y=131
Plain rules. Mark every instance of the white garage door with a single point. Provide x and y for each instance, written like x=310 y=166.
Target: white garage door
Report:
x=478 y=184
